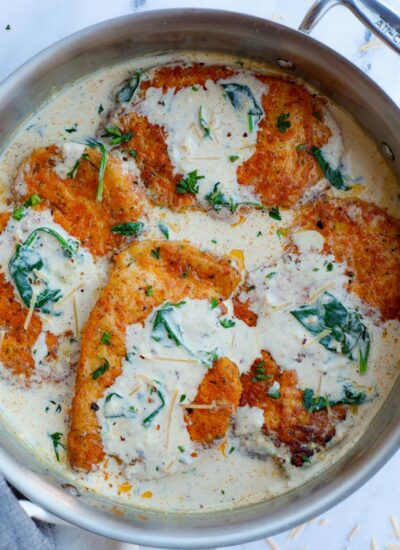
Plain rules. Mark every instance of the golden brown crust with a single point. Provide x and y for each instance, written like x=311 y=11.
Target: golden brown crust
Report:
x=73 y=200
x=220 y=387
x=368 y=240
x=123 y=302
x=286 y=419
x=279 y=172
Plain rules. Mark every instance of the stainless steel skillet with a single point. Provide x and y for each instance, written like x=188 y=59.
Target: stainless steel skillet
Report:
x=240 y=35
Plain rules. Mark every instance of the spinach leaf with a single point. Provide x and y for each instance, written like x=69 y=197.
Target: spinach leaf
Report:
x=333 y=176
x=241 y=96
x=347 y=332
x=126 y=93
x=128 y=228
x=93 y=143
x=26 y=259
x=147 y=421
x=218 y=200
x=315 y=403
x=203 y=124
x=161 y=321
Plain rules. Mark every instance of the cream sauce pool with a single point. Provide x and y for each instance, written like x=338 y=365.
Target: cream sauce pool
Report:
x=163 y=469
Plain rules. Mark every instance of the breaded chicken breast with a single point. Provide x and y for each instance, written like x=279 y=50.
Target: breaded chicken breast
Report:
x=175 y=270
x=367 y=239
x=220 y=389
x=72 y=196
x=286 y=420
x=278 y=172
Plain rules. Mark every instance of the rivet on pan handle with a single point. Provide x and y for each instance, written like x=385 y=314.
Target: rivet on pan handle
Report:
x=376 y=15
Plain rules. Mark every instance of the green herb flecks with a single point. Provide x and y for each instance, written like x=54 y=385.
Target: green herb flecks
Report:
x=93 y=143
x=149 y=291
x=111 y=395
x=128 y=228
x=315 y=403
x=100 y=109
x=147 y=421
x=126 y=93
x=233 y=158
x=203 y=124
x=102 y=369
x=283 y=123
x=214 y=302
x=218 y=200
x=346 y=331
x=27 y=259
x=20 y=211
x=182 y=398
x=274 y=392
x=56 y=440
x=333 y=176
x=115 y=136
x=181 y=449
x=155 y=253
x=189 y=184
x=270 y=275
x=260 y=374
x=275 y=214
x=163 y=227
x=73 y=129
x=105 y=339
x=227 y=323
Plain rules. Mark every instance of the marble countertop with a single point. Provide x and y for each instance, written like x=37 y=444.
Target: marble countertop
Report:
x=34 y=25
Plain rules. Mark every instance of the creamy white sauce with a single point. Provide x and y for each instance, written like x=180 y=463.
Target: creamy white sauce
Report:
x=208 y=481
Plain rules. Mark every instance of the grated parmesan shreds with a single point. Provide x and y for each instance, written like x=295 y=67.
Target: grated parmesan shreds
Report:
x=395 y=526
x=371 y=45
x=323 y=521
x=296 y=532
x=272 y=544
x=212 y=406
x=320 y=290
x=75 y=309
x=2 y=334
x=31 y=309
x=171 y=410
x=353 y=532
x=169 y=359
x=374 y=545
x=317 y=338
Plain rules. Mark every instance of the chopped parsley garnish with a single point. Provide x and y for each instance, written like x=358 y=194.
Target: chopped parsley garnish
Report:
x=56 y=439
x=227 y=323
x=155 y=253
x=93 y=143
x=115 y=136
x=189 y=184
x=8 y=28
x=274 y=213
x=214 y=302
x=72 y=173
x=231 y=450
x=259 y=234
x=250 y=122
x=232 y=158
x=100 y=109
x=20 y=211
x=345 y=333
x=218 y=200
x=72 y=129
x=329 y=266
x=280 y=232
x=131 y=152
x=274 y=392
x=270 y=275
x=260 y=375
x=283 y=123
x=182 y=398
x=333 y=176
x=203 y=124
x=163 y=227
x=315 y=403
x=149 y=291
x=101 y=370
x=301 y=147
x=181 y=449
x=195 y=89
x=128 y=228
x=105 y=339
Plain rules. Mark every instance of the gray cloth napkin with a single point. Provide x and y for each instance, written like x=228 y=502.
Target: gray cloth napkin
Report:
x=17 y=530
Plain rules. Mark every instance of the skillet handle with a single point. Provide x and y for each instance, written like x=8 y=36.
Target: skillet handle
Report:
x=375 y=14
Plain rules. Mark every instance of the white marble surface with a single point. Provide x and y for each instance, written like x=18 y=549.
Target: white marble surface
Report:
x=39 y=23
